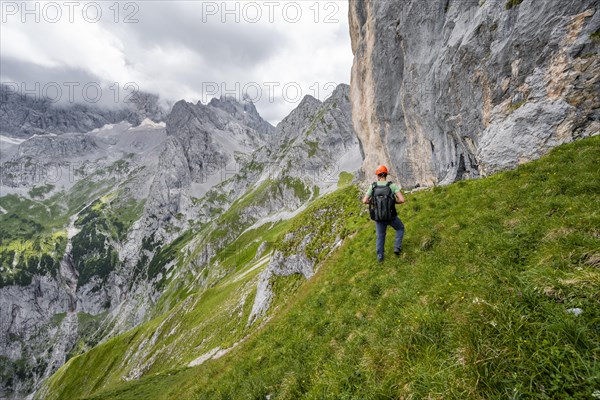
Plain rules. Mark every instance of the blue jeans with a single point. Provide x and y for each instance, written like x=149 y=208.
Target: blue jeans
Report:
x=381 y=231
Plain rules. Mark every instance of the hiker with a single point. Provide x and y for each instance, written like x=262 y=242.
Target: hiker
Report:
x=382 y=198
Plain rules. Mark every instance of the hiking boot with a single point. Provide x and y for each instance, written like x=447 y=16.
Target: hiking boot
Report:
x=397 y=252
x=380 y=259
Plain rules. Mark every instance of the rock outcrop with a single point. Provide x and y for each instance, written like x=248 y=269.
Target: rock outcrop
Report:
x=204 y=144
x=444 y=90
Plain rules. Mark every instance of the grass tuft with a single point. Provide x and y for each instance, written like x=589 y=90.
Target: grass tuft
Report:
x=512 y=3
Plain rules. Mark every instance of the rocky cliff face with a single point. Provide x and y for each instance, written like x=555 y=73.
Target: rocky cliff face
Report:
x=307 y=151
x=444 y=90
x=318 y=141
x=68 y=202
x=204 y=143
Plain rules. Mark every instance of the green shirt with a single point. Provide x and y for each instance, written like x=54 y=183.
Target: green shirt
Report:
x=395 y=188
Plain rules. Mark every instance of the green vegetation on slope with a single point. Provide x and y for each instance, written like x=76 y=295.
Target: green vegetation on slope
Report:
x=595 y=36
x=480 y=305
x=32 y=233
x=31 y=239
x=238 y=216
x=512 y=3
x=345 y=179
x=217 y=235
x=103 y=223
x=40 y=191
x=209 y=308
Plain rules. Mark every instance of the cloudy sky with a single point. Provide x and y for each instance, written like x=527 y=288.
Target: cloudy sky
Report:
x=275 y=52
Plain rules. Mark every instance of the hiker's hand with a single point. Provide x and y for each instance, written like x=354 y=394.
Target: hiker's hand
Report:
x=400 y=198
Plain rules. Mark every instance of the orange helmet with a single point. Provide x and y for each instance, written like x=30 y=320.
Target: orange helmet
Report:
x=382 y=169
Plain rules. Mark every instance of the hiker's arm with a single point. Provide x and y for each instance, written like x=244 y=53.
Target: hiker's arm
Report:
x=399 y=198
x=366 y=199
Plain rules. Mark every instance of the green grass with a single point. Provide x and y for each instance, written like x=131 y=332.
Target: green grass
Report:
x=218 y=318
x=318 y=119
x=88 y=332
x=313 y=148
x=475 y=308
x=33 y=234
x=40 y=191
x=515 y=106
x=512 y=3
x=595 y=36
x=345 y=179
x=26 y=218
x=103 y=223
x=301 y=192
x=21 y=259
x=237 y=218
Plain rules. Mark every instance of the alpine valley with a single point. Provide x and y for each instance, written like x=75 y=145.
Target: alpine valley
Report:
x=200 y=252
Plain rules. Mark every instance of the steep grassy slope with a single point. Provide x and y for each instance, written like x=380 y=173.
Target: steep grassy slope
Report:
x=482 y=304
x=207 y=309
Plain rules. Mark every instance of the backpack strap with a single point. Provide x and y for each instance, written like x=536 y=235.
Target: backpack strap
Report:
x=373 y=186
x=389 y=184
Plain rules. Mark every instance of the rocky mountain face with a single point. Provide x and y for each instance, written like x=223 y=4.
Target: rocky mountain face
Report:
x=184 y=246
x=326 y=146
x=137 y=214
x=445 y=90
x=203 y=141
x=303 y=159
x=68 y=203
x=236 y=187
x=22 y=116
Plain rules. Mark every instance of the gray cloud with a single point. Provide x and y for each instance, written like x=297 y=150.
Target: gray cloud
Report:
x=63 y=85
x=171 y=51
x=161 y=24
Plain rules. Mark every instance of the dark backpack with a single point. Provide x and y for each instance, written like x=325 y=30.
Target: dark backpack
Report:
x=382 y=206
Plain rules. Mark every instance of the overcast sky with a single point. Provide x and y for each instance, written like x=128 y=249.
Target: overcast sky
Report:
x=275 y=51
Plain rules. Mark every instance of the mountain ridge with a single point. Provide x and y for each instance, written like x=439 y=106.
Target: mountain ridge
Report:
x=212 y=255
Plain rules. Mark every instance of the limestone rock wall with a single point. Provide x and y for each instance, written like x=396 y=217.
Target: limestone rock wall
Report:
x=444 y=90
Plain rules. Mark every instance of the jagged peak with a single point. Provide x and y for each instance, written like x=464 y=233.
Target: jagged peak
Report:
x=232 y=105
x=305 y=109
x=242 y=110
x=342 y=90
x=182 y=104
x=309 y=100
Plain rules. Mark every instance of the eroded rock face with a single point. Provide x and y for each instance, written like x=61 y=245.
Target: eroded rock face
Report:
x=444 y=90
x=204 y=143
x=322 y=140
x=279 y=265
